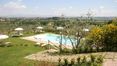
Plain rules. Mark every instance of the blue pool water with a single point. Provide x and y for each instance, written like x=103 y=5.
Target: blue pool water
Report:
x=54 y=38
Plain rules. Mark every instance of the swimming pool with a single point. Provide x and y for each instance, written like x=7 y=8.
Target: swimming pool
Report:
x=54 y=38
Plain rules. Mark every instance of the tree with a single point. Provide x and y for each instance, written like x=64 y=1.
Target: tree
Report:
x=95 y=36
x=74 y=33
x=110 y=36
x=114 y=21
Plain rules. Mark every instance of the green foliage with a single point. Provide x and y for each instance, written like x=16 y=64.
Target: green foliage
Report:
x=105 y=36
x=110 y=37
x=95 y=35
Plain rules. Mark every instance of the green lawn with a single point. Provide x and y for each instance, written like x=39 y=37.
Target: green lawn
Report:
x=14 y=56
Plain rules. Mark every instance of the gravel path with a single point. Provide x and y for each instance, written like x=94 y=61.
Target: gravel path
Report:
x=110 y=62
x=110 y=57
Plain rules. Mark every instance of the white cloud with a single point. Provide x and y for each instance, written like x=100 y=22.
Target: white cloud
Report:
x=14 y=5
x=13 y=8
x=106 y=11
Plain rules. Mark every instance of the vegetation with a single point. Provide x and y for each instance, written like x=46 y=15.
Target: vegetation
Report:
x=100 y=37
x=104 y=37
x=82 y=61
x=7 y=25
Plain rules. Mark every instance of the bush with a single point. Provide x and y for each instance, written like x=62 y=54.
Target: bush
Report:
x=94 y=61
x=92 y=58
x=2 y=45
x=25 y=44
x=72 y=62
x=36 y=45
x=104 y=36
x=66 y=63
x=5 y=44
x=78 y=60
x=66 y=51
x=99 y=59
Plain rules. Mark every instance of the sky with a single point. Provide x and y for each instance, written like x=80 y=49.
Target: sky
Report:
x=45 y=8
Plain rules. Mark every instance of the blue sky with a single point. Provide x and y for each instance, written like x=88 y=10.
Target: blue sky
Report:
x=31 y=8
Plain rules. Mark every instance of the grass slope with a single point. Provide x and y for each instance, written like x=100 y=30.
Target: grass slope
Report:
x=14 y=56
